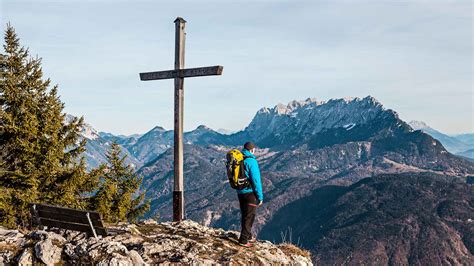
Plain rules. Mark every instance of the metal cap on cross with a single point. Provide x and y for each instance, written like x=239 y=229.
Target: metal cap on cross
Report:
x=178 y=74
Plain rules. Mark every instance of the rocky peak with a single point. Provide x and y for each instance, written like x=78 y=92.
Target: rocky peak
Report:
x=368 y=101
x=87 y=131
x=157 y=129
x=282 y=109
x=417 y=125
x=203 y=128
x=306 y=118
x=148 y=243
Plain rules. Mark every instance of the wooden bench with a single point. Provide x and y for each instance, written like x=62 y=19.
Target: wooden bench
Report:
x=66 y=218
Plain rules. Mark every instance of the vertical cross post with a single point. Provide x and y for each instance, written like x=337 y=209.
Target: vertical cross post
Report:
x=178 y=74
x=178 y=197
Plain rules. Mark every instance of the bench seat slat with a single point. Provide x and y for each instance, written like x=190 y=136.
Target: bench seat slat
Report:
x=81 y=219
x=73 y=226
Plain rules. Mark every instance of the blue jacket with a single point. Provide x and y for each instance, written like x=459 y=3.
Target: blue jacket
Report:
x=252 y=172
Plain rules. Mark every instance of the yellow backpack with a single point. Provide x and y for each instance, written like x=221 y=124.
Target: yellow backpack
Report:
x=235 y=169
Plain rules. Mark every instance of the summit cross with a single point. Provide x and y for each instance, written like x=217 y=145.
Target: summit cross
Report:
x=178 y=74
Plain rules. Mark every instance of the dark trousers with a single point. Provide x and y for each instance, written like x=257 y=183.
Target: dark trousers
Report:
x=248 y=209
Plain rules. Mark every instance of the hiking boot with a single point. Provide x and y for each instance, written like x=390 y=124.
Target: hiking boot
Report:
x=247 y=245
x=253 y=240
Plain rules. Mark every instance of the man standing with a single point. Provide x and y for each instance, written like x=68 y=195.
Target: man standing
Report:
x=251 y=196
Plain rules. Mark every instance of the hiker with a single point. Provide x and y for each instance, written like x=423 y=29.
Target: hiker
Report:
x=251 y=196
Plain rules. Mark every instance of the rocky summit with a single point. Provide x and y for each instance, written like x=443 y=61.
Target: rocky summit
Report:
x=147 y=243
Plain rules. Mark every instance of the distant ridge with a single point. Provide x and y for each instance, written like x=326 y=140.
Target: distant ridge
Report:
x=311 y=123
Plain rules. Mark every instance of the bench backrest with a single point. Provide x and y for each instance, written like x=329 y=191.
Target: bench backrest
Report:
x=66 y=218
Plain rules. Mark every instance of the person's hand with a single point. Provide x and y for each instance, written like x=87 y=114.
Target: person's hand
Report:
x=260 y=202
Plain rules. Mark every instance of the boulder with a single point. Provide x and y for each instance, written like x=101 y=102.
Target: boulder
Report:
x=48 y=252
x=26 y=258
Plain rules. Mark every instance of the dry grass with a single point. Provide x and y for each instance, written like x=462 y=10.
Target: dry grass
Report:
x=290 y=249
x=149 y=228
x=10 y=247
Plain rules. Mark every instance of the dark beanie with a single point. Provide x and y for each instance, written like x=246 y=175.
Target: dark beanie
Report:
x=249 y=145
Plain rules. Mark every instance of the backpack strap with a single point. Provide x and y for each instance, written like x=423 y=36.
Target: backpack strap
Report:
x=243 y=165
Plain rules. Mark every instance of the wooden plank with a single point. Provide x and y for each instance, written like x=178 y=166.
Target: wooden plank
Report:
x=182 y=73
x=73 y=226
x=166 y=74
x=67 y=211
x=80 y=219
x=201 y=71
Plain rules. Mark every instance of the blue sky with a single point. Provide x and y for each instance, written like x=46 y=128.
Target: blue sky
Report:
x=413 y=56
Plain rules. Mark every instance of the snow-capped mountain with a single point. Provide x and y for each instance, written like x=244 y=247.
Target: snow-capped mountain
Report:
x=312 y=116
x=87 y=131
x=226 y=131
x=454 y=144
x=314 y=122
x=419 y=125
x=98 y=144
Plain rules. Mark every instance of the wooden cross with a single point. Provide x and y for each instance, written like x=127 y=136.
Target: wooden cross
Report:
x=178 y=74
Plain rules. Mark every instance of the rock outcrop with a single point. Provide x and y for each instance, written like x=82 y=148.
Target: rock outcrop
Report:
x=148 y=243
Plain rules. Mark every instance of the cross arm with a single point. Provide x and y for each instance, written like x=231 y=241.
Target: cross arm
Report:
x=182 y=73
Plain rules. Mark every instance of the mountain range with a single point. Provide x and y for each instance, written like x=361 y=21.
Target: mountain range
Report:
x=304 y=147
x=298 y=117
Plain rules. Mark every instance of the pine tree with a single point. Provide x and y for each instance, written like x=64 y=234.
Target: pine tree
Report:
x=115 y=198
x=40 y=152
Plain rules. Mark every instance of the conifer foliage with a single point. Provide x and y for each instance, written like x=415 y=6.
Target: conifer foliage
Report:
x=39 y=159
x=40 y=151
x=116 y=199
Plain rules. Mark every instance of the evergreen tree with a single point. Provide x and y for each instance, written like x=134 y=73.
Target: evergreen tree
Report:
x=39 y=158
x=115 y=198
